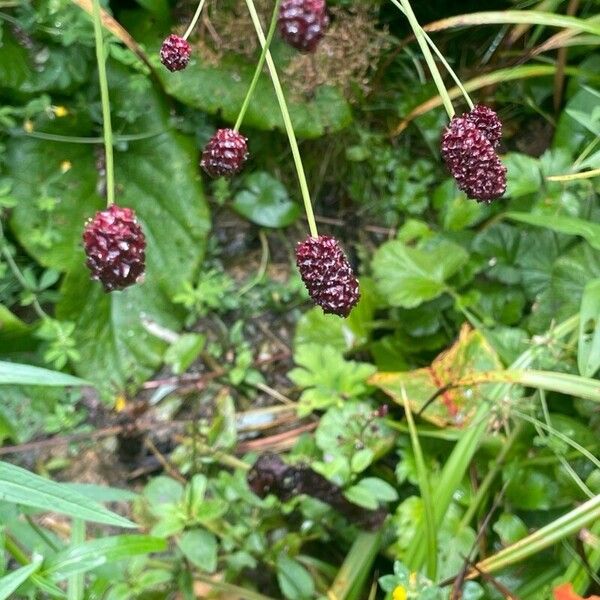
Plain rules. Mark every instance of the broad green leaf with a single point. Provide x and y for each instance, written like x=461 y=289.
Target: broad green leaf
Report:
x=221 y=90
x=89 y=555
x=22 y=487
x=14 y=373
x=294 y=580
x=158 y=177
x=470 y=355
x=264 y=200
x=200 y=548
x=562 y=224
x=317 y=327
x=588 y=352
x=410 y=276
x=9 y=583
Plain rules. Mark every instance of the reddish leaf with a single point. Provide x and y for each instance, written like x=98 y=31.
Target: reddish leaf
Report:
x=470 y=354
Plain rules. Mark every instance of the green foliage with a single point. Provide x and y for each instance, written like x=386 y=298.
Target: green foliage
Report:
x=327 y=378
x=408 y=276
x=265 y=201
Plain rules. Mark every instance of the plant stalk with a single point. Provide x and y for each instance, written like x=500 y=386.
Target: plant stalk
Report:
x=289 y=128
x=444 y=62
x=259 y=66
x=106 y=123
x=406 y=8
x=195 y=18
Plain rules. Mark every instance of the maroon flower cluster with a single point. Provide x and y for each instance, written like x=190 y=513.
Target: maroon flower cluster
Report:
x=175 y=53
x=327 y=275
x=115 y=248
x=302 y=23
x=225 y=154
x=487 y=121
x=469 y=151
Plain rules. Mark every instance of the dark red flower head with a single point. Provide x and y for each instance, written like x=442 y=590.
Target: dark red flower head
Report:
x=115 y=248
x=327 y=275
x=175 y=53
x=487 y=121
x=302 y=23
x=225 y=154
x=472 y=160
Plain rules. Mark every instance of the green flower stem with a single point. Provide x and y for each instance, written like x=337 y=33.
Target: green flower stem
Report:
x=405 y=7
x=312 y=225
x=444 y=62
x=194 y=19
x=450 y=70
x=259 y=66
x=106 y=124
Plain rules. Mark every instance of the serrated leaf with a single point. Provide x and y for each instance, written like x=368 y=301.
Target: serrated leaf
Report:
x=408 y=276
x=22 y=487
x=523 y=174
x=89 y=555
x=327 y=377
x=200 y=548
x=562 y=224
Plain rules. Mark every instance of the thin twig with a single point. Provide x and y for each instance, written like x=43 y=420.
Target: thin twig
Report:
x=163 y=461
